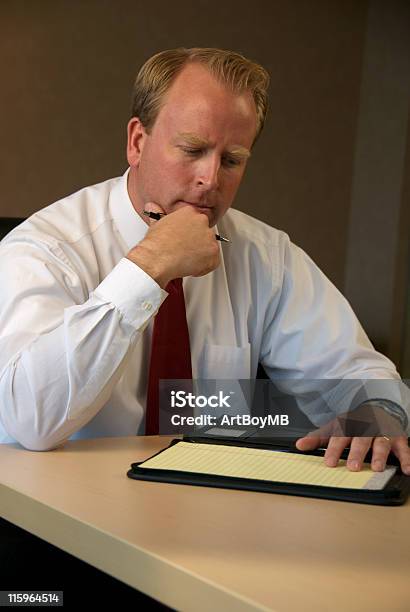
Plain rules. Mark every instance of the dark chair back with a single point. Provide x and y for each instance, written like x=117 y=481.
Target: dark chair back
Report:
x=8 y=223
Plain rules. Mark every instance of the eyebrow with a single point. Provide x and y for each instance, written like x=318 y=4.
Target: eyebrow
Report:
x=197 y=141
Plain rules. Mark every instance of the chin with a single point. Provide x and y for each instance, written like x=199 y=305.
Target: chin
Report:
x=212 y=221
x=210 y=214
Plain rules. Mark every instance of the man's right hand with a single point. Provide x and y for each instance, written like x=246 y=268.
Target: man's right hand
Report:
x=180 y=244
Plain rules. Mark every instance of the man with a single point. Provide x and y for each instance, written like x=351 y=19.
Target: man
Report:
x=83 y=279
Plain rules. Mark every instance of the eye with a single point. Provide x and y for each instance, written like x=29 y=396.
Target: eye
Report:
x=191 y=151
x=231 y=162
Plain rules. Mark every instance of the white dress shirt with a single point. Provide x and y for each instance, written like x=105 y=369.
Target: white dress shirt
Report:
x=76 y=318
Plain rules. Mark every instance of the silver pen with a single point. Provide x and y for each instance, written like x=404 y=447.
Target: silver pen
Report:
x=157 y=217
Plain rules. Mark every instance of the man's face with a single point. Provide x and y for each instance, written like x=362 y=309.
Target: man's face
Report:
x=197 y=150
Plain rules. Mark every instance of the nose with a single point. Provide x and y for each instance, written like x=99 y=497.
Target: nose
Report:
x=208 y=173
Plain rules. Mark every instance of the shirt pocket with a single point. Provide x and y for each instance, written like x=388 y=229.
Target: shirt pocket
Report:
x=220 y=361
x=227 y=365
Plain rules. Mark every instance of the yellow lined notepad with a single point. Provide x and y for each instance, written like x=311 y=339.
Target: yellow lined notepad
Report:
x=261 y=464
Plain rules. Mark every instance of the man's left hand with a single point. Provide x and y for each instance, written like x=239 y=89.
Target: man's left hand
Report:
x=359 y=446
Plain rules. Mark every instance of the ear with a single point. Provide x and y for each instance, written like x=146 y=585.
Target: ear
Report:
x=136 y=136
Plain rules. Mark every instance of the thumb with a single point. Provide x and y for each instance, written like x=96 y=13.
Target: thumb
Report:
x=153 y=208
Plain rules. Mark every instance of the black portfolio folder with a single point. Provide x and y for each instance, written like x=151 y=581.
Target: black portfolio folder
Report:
x=394 y=493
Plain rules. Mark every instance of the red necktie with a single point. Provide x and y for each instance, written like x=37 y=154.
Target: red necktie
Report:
x=170 y=350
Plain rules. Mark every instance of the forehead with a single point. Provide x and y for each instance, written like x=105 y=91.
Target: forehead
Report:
x=197 y=103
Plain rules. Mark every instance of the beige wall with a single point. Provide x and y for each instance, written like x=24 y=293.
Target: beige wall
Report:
x=67 y=69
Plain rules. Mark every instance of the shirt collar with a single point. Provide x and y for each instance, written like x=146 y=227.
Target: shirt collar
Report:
x=129 y=223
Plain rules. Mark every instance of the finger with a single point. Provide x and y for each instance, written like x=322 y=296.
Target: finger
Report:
x=334 y=450
x=326 y=431
x=400 y=448
x=358 y=451
x=319 y=437
x=310 y=442
x=381 y=450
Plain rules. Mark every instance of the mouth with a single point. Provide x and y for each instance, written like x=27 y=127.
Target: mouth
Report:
x=198 y=205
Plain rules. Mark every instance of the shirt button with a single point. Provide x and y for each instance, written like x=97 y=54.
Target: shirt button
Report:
x=146 y=305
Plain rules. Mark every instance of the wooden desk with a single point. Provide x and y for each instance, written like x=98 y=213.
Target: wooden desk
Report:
x=194 y=548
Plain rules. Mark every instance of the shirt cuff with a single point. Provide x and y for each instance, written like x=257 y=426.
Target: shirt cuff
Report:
x=136 y=295
x=392 y=409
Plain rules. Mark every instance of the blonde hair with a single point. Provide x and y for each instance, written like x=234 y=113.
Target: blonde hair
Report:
x=232 y=69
